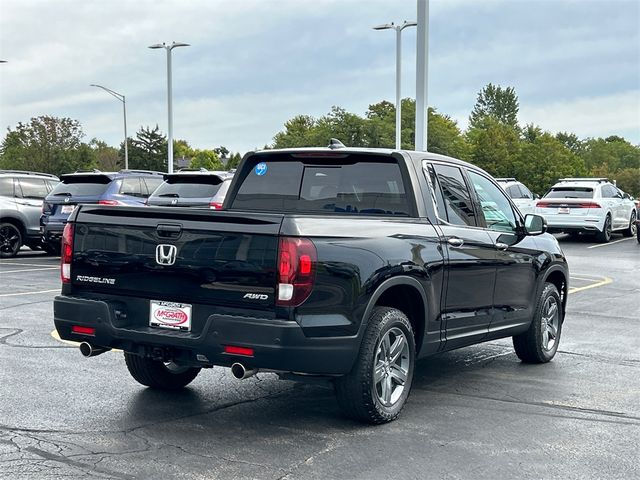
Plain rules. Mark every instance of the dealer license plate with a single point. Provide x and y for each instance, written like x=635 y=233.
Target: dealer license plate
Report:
x=67 y=208
x=175 y=316
x=564 y=210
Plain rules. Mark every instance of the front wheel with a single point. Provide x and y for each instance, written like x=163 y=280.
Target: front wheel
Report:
x=377 y=388
x=10 y=240
x=605 y=235
x=160 y=375
x=631 y=230
x=539 y=344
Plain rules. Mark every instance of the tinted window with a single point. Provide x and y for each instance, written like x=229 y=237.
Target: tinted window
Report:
x=497 y=211
x=87 y=188
x=33 y=188
x=514 y=191
x=131 y=186
x=6 y=187
x=372 y=186
x=456 y=196
x=189 y=187
x=570 y=192
x=152 y=183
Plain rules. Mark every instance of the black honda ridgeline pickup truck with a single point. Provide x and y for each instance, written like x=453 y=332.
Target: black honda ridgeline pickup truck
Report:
x=335 y=263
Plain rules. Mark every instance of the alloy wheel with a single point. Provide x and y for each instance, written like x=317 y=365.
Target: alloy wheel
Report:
x=9 y=239
x=550 y=323
x=391 y=367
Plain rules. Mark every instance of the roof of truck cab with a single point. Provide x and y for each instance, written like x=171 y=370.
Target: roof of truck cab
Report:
x=415 y=155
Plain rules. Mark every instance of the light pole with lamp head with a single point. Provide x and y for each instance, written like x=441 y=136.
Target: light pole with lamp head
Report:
x=398 y=29
x=120 y=97
x=168 y=48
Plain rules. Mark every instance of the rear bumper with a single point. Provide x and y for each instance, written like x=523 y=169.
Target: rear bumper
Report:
x=566 y=223
x=52 y=232
x=278 y=344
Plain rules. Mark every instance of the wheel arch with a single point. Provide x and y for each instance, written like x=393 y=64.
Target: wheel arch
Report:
x=407 y=295
x=20 y=225
x=560 y=278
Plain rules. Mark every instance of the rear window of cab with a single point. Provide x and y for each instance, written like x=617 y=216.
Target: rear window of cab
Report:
x=323 y=183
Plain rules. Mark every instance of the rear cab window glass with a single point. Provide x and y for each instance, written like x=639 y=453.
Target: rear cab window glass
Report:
x=353 y=184
x=570 y=192
x=85 y=185
x=189 y=186
x=455 y=195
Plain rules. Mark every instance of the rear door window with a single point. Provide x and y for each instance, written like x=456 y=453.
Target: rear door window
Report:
x=6 y=187
x=454 y=195
x=34 y=188
x=346 y=184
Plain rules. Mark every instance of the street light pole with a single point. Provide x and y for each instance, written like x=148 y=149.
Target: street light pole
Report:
x=398 y=29
x=120 y=97
x=422 y=77
x=169 y=48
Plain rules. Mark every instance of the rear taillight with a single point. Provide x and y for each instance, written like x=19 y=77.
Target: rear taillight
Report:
x=588 y=205
x=215 y=205
x=543 y=204
x=297 y=258
x=110 y=202
x=66 y=253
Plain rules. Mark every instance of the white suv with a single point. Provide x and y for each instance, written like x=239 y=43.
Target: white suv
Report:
x=588 y=205
x=520 y=194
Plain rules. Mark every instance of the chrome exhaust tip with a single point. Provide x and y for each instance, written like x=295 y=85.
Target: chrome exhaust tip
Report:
x=241 y=372
x=88 y=350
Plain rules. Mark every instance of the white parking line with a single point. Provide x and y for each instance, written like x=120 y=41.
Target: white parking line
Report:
x=611 y=243
x=28 y=270
x=3 y=263
x=28 y=293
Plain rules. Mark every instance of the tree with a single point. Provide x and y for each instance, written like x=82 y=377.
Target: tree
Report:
x=234 y=160
x=444 y=136
x=498 y=103
x=296 y=133
x=106 y=158
x=148 y=151
x=494 y=147
x=206 y=159
x=46 y=144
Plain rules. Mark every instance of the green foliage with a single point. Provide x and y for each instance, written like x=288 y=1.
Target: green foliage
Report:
x=46 y=144
x=206 y=159
x=106 y=158
x=494 y=146
x=148 y=151
x=498 y=103
x=234 y=160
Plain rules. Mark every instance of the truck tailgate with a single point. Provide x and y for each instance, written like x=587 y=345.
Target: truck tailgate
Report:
x=193 y=256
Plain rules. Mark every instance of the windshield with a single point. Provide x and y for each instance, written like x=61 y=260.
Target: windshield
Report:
x=348 y=184
x=570 y=192
x=190 y=187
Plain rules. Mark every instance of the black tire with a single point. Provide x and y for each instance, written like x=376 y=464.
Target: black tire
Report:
x=10 y=240
x=631 y=230
x=358 y=393
x=530 y=346
x=605 y=235
x=157 y=374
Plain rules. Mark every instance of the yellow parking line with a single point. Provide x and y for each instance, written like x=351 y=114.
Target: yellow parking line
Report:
x=604 y=281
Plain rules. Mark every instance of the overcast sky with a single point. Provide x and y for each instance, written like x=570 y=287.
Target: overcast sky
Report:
x=253 y=64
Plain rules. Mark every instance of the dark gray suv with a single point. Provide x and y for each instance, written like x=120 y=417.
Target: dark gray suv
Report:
x=21 y=196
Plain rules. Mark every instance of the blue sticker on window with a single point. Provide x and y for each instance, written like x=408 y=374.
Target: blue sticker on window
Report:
x=261 y=168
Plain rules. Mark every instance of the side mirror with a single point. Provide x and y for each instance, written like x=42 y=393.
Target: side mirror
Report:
x=534 y=224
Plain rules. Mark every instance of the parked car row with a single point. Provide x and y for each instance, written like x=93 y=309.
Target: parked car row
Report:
x=35 y=206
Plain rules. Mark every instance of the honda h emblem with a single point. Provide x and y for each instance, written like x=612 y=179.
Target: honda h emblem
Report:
x=166 y=254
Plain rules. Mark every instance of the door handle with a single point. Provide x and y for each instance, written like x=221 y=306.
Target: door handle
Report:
x=501 y=246
x=455 y=242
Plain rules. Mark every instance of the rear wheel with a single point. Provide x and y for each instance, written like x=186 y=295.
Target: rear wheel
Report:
x=605 y=235
x=160 y=375
x=10 y=240
x=632 y=229
x=377 y=388
x=539 y=344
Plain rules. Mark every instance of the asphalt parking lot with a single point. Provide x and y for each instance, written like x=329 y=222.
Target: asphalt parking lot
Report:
x=473 y=413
